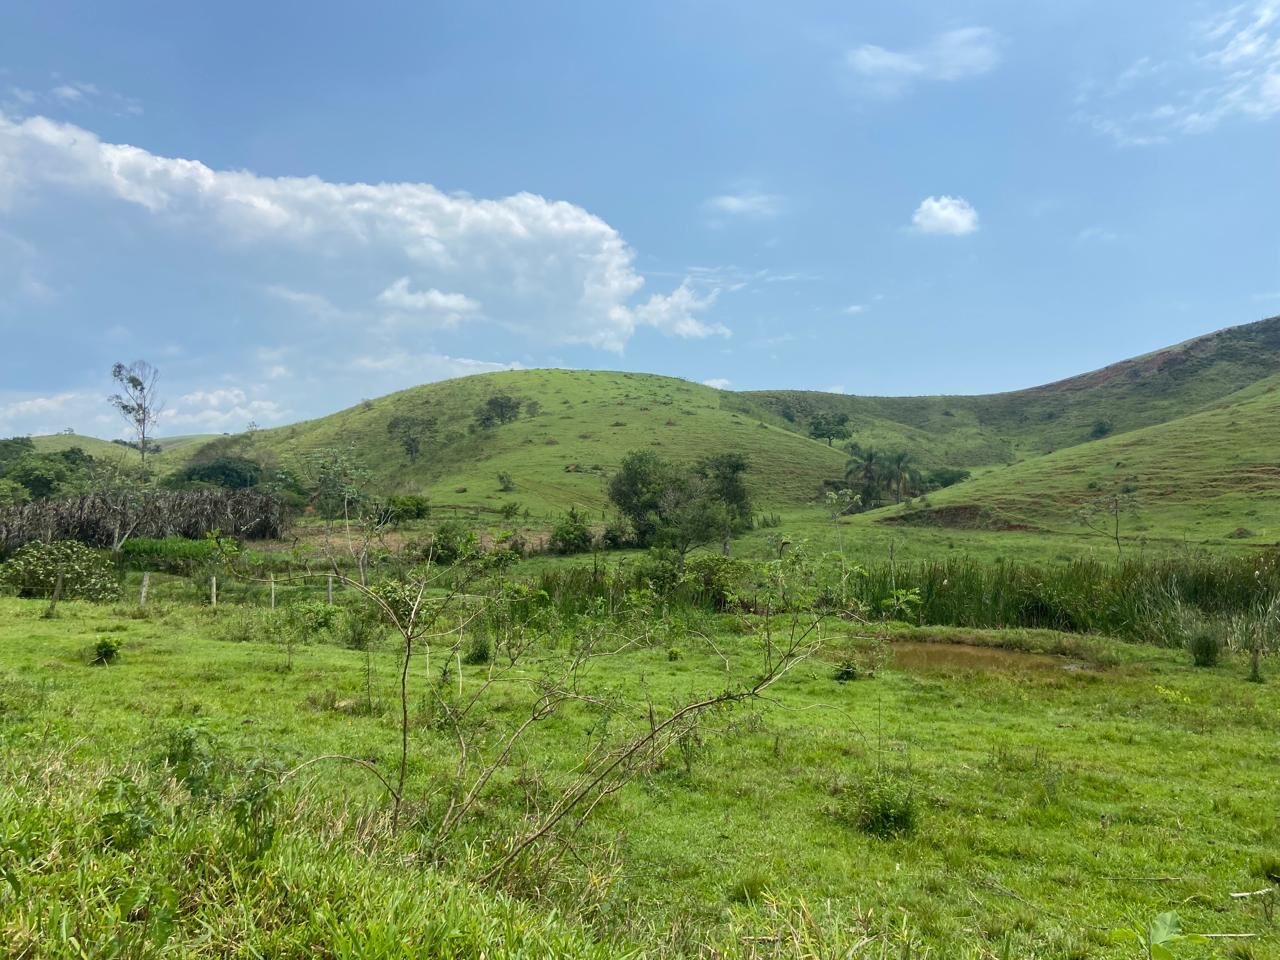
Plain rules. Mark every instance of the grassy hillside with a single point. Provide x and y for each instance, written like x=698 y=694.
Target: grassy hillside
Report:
x=586 y=421
x=999 y=428
x=1211 y=476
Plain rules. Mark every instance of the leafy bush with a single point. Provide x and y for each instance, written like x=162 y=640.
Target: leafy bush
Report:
x=617 y=534
x=105 y=651
x=86 y=574
x=479 y=649
x=506 y=483
x=570 y=534
x=169 y=554
x=1205 y=648
x=716 y=579
x=409 y=507
x=452 y=541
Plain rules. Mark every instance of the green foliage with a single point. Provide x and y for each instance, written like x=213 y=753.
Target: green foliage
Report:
x=411 y=433
x=506 y=483
x=170 y=554
x=86 y=573
x=453 y=541
x=1205 y=647
x=881 y=804
x=1156 y=940
x=105 y=651
x=829 y=427
x=479 y=649
x=496 y=410
x=408 y=507
x=571 y=534
x=227 y=470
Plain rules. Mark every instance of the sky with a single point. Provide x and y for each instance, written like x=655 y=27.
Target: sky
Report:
x=287 y=207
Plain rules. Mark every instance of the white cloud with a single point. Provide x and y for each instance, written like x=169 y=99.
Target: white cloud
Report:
x=545 y=268
x=223 y=408
x=950 y=56
x=747 y=204
x=312 y=304
x=718 y=383
x=946 y=216
x=444 y=309
x=1230 y=70
x=854 y=309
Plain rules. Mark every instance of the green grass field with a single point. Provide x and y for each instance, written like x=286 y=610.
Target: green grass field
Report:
x=1063 y=786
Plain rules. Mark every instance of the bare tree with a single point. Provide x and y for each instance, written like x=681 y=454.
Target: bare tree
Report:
x=1103 y=514
x=137 y=401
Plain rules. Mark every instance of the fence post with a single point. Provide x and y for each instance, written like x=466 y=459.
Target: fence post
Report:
x=213 y=591
x=146 y=582
x=273 y=591
x=330 y=592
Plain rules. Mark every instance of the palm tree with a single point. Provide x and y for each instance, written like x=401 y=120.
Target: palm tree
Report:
x=901 y=475
x=867 y=468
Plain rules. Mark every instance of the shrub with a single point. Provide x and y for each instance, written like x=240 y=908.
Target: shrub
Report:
x=170 y=554
x=479 y=650
x=506 y=483
x=452 y=541
x=881 y=805
x=617 y=534
x=1205 y=648
x=847 y=670
x=716 y=578
x=105 y=651
x=409 y=507
x=86 y=574
x=570 y=534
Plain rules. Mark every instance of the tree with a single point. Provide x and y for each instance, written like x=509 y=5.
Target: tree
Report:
x=829 y=427
x=499 y=409
x=411 y=433
x=724 y=475
x=571 y=534
x=137 y=400
x=691 y=515
x=1102 y=514
x=900 y=475
x=636 y=490
x=868 y=470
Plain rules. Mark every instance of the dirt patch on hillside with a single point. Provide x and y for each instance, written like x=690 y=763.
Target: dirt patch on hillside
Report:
x=960 y=517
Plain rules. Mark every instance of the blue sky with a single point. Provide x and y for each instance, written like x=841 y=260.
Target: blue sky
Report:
x=287 y=207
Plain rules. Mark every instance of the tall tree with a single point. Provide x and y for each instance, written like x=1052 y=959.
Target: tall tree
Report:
x=901 y=475
x=829 y=427
x=138 y=402
x=867 y=469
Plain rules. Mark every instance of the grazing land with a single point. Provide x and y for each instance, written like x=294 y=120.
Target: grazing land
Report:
x=593 y=664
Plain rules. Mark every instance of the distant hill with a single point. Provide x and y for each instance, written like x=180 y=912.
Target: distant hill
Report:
x=1211 y=475
x=970 y=431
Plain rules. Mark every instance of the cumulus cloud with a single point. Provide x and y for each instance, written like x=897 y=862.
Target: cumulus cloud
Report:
x=1229 y=69
x=545 y=268
x=444 y=309
x=221 y=409
x=950 y=56
x=945 y=216
x=718 y=383
x=855 y=308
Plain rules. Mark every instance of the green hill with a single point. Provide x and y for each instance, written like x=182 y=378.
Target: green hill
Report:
x=969 y=431
x=583 y=423
x=1210 y=476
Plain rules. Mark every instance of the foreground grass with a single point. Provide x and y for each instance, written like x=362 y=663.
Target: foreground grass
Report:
x=1059 y=795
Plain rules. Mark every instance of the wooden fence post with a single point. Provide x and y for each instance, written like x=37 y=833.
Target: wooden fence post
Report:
x=330 y=592
x=273 y=591
x=213 y=591
x=146 y=583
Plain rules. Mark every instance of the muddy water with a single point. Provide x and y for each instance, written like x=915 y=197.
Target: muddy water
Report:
x=950 y=657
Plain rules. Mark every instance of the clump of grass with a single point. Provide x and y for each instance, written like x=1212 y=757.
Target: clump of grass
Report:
x=1205 y=647
x=105 y=651
x=1268 y=868
x=882 y=804
x=749 y=888
x=479 y=650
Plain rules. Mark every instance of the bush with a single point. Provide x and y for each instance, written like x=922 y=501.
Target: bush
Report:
x=169 y=554
x=882 y=805
x=570 y=534
x=86 y=574
x=105 y=651
x=479 y=650
x=1205 y=648
x=452 y=541
x=617 y=534
x=408 y=507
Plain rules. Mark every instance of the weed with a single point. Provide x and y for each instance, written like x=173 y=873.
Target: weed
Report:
x=105 y=650
x=1205 y=648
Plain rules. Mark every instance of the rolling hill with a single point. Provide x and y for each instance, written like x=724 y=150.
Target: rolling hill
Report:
x=1209 y=476
x=584 y=423
x=1190 y=434
x=970 y=431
